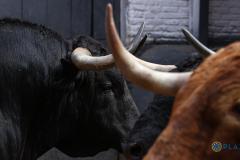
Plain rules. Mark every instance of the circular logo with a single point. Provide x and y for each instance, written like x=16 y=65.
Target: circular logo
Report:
x=216 y=146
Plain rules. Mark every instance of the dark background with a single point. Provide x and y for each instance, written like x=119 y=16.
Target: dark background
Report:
x=67 y=17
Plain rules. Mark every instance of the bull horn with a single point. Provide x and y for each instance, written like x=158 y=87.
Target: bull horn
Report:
x=153 y=66
x=83 y=60
x=137 y=42
x=158 y=82
x=202 y=49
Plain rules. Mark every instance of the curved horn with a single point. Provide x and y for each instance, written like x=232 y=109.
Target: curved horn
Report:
x=137 y=42
x=83 y=60
x=202 y=49
x=140 y=44
x=153 y=66
x=159 y=82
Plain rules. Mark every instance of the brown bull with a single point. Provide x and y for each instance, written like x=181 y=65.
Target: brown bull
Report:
x=207 y=105
x=206 y=109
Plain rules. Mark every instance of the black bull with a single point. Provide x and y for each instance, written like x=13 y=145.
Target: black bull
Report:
x=45 y=101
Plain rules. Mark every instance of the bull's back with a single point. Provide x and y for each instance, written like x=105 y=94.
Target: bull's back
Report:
x=29 y=58
x=24 y=45
x=29 y=54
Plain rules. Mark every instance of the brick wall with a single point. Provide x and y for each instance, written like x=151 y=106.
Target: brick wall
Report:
x=224 y=19
x=163 y=18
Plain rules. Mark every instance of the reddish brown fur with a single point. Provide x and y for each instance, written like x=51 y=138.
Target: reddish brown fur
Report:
x=204 y=111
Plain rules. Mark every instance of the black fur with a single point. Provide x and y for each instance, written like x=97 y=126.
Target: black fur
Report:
x=45 y=101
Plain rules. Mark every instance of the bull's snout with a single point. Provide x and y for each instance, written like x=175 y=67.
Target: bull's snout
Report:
x=133 y=151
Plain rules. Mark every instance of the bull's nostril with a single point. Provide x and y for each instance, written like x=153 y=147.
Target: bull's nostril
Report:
x=135 y=150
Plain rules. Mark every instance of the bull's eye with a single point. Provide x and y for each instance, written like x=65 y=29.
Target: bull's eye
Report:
x=107 y=86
